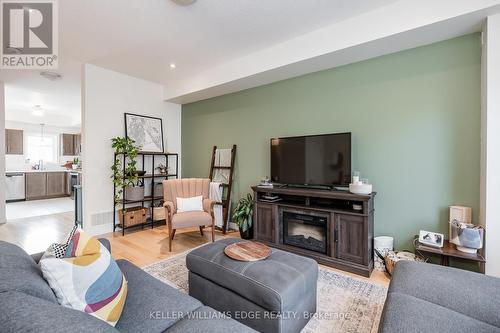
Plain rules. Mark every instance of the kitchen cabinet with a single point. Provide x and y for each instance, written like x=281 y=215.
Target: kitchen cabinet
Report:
x=68 y=183
x=36 y=185
x=71 y=144
x=14 y=142
x=43 y=185
x=67 y=145
x=77 y=144
x=56 y=184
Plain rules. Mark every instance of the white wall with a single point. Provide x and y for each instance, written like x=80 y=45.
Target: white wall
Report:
x=19 y=163
x=490 y=143
x=2 y=153
x=106 y=96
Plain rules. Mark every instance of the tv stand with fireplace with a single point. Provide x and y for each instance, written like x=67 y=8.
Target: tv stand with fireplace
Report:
x=333 y=227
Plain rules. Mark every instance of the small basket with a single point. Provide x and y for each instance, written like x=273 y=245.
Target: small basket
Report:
x=132 y=216
x=393 y=257
x=134 y=193
x=159 y=213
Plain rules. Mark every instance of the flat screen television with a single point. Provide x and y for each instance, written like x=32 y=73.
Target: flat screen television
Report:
x=315 y=160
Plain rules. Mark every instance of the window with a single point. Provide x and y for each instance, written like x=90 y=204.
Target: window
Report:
x=42 y=148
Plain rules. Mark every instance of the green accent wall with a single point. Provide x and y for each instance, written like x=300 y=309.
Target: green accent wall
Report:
x=415 y=122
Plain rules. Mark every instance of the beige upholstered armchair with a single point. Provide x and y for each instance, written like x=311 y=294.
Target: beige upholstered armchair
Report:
x=187 y=188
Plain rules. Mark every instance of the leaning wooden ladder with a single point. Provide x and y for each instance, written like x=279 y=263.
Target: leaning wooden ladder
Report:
x=226 y=194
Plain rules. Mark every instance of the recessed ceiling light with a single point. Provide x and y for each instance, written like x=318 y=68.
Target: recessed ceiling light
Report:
x=52 y=76
x=38 y=111
x=183 y=2
x=172 y=66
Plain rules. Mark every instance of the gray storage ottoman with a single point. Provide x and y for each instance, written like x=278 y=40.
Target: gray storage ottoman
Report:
x=277 y=294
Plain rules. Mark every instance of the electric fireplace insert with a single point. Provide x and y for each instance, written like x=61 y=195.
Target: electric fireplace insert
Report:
x=305 y=231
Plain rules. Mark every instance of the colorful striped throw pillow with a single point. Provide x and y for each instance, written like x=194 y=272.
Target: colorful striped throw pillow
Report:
x=87 y=278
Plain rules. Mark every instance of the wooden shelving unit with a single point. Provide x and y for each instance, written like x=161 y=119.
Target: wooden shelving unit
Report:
x=123 y=203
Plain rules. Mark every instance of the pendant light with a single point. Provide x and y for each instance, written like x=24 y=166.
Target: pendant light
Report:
x=42 y=127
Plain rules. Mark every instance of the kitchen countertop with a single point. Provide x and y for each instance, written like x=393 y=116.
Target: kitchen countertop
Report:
x=35 y=171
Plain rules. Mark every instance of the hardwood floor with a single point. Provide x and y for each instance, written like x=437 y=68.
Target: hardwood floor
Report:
x=35 y=234
x=144 y=247
x=141 y=247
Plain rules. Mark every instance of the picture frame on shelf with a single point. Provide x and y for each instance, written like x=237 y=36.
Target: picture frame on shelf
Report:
x=430 y=238
x=146 y=131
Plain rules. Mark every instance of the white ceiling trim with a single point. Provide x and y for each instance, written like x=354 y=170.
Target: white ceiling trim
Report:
x=402 y=25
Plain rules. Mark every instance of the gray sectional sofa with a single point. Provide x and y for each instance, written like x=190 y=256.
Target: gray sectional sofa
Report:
x=430 y=298
x=27 y=303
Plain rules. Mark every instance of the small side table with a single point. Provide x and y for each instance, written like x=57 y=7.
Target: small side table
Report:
x=449 y=250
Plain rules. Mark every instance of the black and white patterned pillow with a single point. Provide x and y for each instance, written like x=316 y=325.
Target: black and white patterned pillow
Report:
x=56 y=250
x=59 y=250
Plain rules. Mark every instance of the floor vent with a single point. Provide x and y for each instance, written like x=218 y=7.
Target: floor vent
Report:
x=102 y=218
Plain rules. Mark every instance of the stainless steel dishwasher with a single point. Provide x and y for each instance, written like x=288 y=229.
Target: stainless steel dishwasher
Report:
x=14 y=187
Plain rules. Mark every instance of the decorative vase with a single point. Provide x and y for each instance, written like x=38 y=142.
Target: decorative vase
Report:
x=247 y=234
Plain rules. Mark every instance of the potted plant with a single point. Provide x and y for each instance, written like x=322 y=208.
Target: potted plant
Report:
x=126 y=180
x=76 y=163
x=243 y=216
x=162 y=169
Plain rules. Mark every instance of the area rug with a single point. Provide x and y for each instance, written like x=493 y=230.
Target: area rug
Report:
x=345 y=304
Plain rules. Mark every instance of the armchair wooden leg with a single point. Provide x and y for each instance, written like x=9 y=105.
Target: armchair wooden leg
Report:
x=170 y=236
x=173 y=233
x=213 y=231
x=201 y=229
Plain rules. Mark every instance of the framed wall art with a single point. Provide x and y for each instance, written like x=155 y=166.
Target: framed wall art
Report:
x=147 y=132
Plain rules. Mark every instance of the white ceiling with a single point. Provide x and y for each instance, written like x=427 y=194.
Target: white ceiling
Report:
x=141 y=38
x=220 y=46
x=60 y=100
x=401 y=25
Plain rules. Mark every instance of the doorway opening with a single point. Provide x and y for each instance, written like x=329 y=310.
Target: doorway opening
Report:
x=43 y=162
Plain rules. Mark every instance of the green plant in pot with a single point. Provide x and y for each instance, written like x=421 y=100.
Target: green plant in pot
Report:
x=124 y=169
x=243 y=216
x=76 y=163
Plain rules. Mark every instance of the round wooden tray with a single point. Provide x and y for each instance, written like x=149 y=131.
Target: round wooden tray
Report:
x=247 y=251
